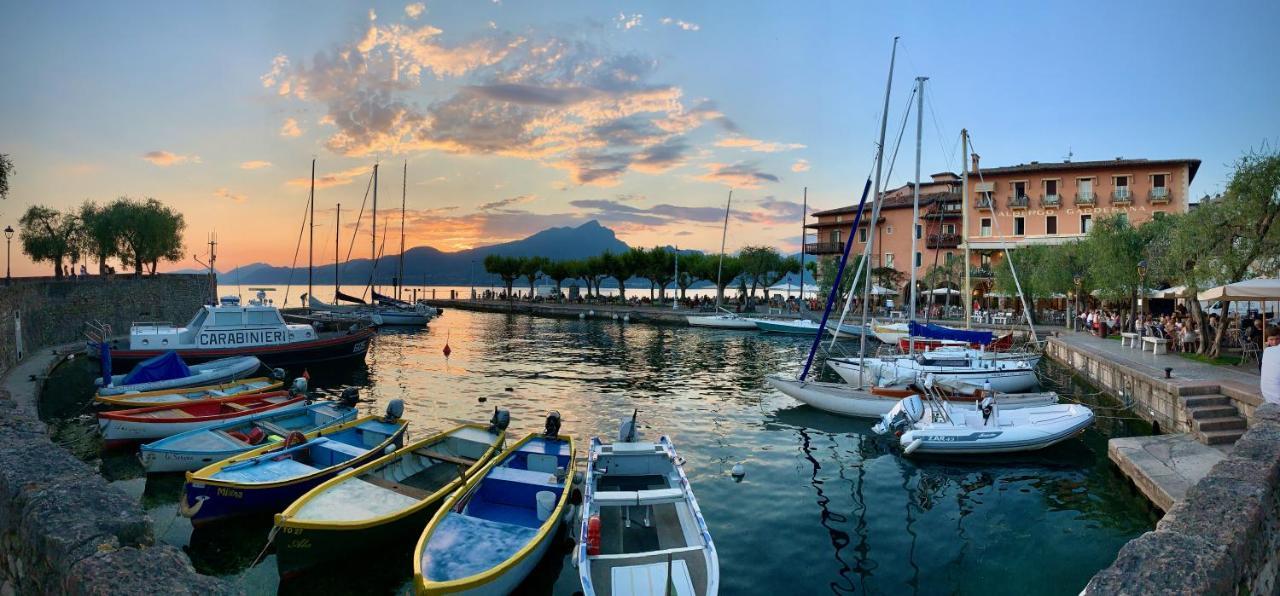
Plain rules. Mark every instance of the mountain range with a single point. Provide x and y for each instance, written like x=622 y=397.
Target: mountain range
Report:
x=425 y=265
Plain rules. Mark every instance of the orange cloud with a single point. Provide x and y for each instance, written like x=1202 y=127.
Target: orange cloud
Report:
x=332 y=179
x=801 y=165
x=224 y=193
x=414 y=10
x=256 y=164
x=290 y=128
x=167 y=158
x=741 y=142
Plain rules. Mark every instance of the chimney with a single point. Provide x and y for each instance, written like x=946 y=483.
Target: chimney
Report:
x=975 y=162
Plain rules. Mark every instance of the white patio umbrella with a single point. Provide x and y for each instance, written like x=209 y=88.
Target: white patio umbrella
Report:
x=944 y=291
x=1261 y=290
x=883 y=291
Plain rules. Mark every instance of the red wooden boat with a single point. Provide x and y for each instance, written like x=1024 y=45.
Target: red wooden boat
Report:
x=157 y=422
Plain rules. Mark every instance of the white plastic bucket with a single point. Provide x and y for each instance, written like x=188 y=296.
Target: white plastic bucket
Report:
x=546 y=504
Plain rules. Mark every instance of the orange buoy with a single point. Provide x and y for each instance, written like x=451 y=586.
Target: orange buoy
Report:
x=447 y=350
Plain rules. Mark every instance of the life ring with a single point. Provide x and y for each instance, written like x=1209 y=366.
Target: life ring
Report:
x=593 y=535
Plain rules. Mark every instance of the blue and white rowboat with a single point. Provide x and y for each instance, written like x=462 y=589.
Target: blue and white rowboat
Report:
x=489 y=535
x=196 y=449
x=268 y=479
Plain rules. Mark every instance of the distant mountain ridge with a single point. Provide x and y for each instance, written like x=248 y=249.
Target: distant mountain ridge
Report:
x=425 y=265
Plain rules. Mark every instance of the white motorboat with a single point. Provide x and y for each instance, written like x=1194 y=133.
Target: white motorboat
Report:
x=382 y=315
x=873 y=402
x=642 y=531
x=1003 y=376
x=232 y=329
x=787 y=326
x=932 y=426
x=168 y=371
x=721 y=321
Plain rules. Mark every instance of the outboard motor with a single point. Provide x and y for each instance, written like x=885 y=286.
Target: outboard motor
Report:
x=299 y=386
x=395 y=410
x=987 y=406
x=501 y=419
x=627 y=433
x=349 y=398
x=277 y=374
x=553 y=424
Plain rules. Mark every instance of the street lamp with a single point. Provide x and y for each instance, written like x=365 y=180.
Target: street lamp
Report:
x=1079 y=281
x=1142 y=280
x=8 y=243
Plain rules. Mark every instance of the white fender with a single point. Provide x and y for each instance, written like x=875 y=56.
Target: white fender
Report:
x=912 y=446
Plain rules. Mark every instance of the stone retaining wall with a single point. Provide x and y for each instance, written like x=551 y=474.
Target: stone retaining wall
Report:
x=1223 y=538
x=56 y=312
x=63 y=529
x=1152 y=399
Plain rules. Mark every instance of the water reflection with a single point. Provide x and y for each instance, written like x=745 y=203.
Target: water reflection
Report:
x=825 y=506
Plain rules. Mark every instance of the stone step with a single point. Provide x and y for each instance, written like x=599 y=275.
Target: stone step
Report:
x=1220 y=437
x=1196 y=401
x=1227 y=423
x=1212 y=412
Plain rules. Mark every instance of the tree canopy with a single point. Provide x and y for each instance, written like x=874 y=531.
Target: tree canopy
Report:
x=48 y=235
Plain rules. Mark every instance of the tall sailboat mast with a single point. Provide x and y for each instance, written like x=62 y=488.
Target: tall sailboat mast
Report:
x=373 y=241
x=915 y=207
x=723 y=235
x=404 y=191
x=875 y=209
x=804 y=212
x=964 y=225
x=337 y=235
x=311 y=223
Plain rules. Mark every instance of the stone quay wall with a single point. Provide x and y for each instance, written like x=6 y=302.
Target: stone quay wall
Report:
x=51 y=312
x=1152 y=399
x=1223 y=538
x=63 y=529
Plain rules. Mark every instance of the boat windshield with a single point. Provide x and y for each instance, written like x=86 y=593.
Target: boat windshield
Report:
x=198 y=320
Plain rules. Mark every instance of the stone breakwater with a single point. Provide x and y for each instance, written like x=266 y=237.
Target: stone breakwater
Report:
x=63 y=529
x=1223 y=538
x=51 y=313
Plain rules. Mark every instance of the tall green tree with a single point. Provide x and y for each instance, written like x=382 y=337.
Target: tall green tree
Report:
x=48 y=235
x=691 y=268
x=6 y=172
x=558 y=271
x=763 y=266
x=148 y=231
x=621 y=267
x=100 y=233
x=1114 y=248
x=661 y=269
x=710 y=269
x=507 y=268
x=593 y=273
x=531 y=270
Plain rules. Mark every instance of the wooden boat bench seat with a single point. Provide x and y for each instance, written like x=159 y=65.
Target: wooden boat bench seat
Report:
x=623 y=498
x=445 y=457
x=408 y=491
x=643 y=579
x=237 y=407
x=171 y=413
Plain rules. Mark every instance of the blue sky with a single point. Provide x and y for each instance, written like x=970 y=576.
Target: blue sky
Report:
x=515 y=116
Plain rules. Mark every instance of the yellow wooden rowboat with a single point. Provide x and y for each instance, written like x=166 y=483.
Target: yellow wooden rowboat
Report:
x=172 y=396
x=488 y=536
x=389 y=499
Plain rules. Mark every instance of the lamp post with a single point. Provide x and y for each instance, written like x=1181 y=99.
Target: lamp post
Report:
x=1142 y=290
x=1079 y=280
x=8 y=243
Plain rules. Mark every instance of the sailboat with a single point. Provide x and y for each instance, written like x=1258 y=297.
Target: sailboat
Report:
x=723 y=319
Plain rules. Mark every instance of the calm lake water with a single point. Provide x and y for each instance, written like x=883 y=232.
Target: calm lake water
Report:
x=825 y=507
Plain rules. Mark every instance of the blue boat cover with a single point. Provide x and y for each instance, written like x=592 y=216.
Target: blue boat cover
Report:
x=940 y=332
x=168 y=365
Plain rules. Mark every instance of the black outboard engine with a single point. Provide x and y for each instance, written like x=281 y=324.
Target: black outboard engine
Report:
x=553 y=424
x=395 y=410
x=501 y=419
x=349 y=398
x=627 y=433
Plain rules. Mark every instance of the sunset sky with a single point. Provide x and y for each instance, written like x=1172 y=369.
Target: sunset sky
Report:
x=515 y=116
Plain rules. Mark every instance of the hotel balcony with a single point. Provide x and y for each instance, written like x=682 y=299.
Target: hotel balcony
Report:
x=1121 y=196
x=1019 y=202
x=943 y=210
x=1086 y=199
x=1159 y=195
x=1051 y=201
x=823 y=248
x=943 y=241
x=986 y=203
x=980 y=272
